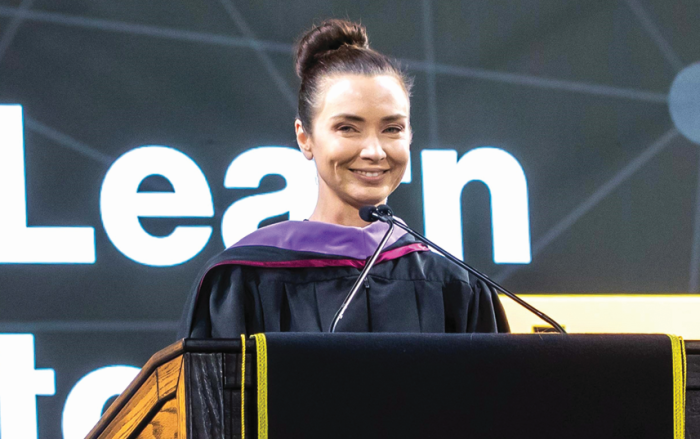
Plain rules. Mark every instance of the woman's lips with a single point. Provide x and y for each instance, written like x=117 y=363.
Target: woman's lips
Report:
x=375 y=174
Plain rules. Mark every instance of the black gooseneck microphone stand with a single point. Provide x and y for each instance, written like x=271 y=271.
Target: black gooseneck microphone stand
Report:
x=385 y=214
x=364 y=214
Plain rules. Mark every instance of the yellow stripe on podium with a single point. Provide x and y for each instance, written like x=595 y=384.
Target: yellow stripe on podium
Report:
x=261 y=353
x=243 y=340
x=679 y=380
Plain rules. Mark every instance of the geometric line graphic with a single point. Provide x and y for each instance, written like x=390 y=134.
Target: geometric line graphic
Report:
x=141 y=29
x=651 y=29
x=262 y=55
x=695 y=253
x=544 y=83
x=231 y=41
x=589 y=203
x=12 y=28
x=683 y=106
x=90 y=326
x=67 y=141
x=429 y=47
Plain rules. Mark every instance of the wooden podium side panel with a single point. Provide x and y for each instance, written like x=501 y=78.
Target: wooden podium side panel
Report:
x=164 y=424
x=136 y=410
x=205 y=395
x=181 y=404
x=168 y=376
x=152 y=412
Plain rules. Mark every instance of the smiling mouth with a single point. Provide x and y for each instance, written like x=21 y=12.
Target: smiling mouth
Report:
x=370 y=173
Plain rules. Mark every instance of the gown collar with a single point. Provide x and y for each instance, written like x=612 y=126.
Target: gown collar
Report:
x=320 y=237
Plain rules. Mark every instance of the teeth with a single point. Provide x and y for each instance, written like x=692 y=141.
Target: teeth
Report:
x=369 y=174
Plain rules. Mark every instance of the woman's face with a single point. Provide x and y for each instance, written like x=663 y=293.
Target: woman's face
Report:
x=361 y=137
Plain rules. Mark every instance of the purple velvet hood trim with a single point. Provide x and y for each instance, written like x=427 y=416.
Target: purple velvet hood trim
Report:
x=325 y=238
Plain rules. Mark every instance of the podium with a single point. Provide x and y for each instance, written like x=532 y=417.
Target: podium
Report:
x=307 y=385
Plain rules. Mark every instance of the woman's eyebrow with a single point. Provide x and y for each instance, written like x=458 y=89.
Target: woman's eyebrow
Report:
x=348 y=117
x=356 y=118
x=393 y=117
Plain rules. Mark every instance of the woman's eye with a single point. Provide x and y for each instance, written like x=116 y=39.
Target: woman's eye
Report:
x=394 y=130
x=345 y=128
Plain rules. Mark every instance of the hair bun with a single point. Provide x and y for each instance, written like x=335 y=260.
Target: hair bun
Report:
x=326 y=37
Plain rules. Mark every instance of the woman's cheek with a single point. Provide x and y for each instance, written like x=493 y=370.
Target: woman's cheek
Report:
x=401 y=156
x=345 y=155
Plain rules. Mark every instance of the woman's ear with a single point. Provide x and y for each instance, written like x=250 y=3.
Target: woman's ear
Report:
x=303 y=140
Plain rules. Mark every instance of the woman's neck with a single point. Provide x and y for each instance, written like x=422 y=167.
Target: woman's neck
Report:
x=345 y=215
x=333 y=210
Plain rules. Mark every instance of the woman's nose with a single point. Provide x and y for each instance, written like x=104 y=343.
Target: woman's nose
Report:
x=373 y=150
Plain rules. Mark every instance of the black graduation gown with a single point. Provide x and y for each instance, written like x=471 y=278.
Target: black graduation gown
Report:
x=293 y=276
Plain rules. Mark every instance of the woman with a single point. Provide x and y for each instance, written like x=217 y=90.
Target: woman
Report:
x=354 y=123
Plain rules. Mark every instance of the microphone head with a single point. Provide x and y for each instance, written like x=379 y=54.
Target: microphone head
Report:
x=385 y=210
x=367 y=213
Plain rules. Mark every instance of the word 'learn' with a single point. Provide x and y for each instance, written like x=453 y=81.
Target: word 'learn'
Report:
x=444 y=176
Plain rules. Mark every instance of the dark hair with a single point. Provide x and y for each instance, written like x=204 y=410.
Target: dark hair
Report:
x=336 y=47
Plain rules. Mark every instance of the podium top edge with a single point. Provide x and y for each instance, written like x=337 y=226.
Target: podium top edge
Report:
x=224 y=345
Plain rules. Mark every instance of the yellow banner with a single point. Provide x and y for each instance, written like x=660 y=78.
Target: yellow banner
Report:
x=608 y=313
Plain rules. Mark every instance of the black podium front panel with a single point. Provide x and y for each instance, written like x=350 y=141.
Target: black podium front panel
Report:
x=495 y=386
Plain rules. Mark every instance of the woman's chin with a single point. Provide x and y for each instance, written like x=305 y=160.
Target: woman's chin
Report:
x=367 y=201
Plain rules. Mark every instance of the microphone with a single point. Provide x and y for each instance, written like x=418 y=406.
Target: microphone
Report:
x=385 y=214
x=370 y=215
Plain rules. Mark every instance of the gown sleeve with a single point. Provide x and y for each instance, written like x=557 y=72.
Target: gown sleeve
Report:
x=217 y=308
x=473 y=307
